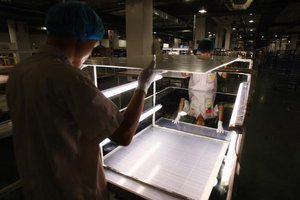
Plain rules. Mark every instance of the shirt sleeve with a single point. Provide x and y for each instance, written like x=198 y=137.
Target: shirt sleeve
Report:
x=97 y=116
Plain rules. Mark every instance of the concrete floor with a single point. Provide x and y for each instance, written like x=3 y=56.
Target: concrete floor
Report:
x=271 y=154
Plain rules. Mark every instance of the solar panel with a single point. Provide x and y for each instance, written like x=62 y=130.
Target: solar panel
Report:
x=175 y=63
x=183 y=165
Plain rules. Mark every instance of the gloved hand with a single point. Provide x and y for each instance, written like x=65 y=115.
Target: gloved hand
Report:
x=147 y=76
x=176 y=120
x=220 y=128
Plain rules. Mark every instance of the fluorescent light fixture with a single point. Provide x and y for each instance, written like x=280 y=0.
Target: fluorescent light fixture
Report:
x=146 y=114
x=149 y=112
x=119 y=89
x=41 y=28
x=238 y=102
x=239 y=109
x=123 y=88
x=104 y=142
x=230 y=160
x=186 y=31
x=202 y=10
x=251 y=21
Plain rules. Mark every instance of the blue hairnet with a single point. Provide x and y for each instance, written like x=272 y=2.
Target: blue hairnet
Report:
x=206 y=45
x=74 y=19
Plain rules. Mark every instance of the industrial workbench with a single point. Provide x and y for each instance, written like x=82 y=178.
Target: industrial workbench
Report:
x=184 y=161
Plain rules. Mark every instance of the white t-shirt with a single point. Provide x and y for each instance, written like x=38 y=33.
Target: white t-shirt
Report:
x=203 y=82
x=59 y=117
x=201 y=103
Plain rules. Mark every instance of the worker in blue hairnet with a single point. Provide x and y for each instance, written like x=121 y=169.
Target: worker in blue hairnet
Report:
x=59 y=117
x=202 y=90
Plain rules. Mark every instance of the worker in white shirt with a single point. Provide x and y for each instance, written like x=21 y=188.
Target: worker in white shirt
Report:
x=202 y=89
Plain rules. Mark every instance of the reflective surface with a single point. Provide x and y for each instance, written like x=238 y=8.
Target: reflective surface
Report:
x=160 y=157
x=175 y=63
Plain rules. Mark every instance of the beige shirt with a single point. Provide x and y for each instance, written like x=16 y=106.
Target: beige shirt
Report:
x=59 y=117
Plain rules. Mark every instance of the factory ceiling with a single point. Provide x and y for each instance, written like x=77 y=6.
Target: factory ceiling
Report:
x=272 y=19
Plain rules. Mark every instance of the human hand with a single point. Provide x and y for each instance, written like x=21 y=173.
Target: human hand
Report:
x=220 y=128
x=176 y=120
x=184 y=74
x=147 y=76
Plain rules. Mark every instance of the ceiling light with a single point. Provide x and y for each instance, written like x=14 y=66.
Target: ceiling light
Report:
x=186 y=31
x=251 y=21
x=234 y=29
x=275 y=35
x=202 y=10
x=251 y=29
x=41 y=28
x=251 y=14
x=262 y=36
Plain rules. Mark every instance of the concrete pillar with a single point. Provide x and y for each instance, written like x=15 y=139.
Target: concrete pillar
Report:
x=177 y=42
x=283 y=44
x=293 y=42
x=219 y=37
x=200 y=29
x=277 y=45
x=227 y=39
x=115 y=41
x=18 y=34
x=157 y=46
x=139 y=27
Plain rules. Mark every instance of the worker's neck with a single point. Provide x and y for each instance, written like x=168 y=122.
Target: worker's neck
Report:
x=66 y=44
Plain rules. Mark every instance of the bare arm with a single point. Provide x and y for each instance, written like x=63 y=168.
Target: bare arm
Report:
x=224 y=74
x=221 y=112
x=124 y=134
x=181 y=104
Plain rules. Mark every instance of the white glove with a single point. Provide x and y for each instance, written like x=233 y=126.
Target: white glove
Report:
x=220 y=128
x=176 y=120
x=146 y=77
